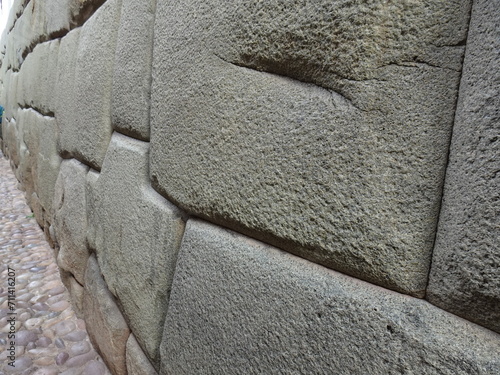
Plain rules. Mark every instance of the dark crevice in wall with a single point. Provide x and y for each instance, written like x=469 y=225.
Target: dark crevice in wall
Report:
x=330 y=90
x=463 y=42
x=150 y=83
x=40 y=111
x=131 y=133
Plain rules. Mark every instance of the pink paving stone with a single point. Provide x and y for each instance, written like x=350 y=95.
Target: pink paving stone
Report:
x=75 y=336
x=60 y=306
x=82 y=359
x=94 y=368
x=43 y=342
x=80 y=348
x=44 y=361
x=54 y=299
x=56 y=290
x=52 y=285
x=25 y=337
x=46 y=371
x=20 y=364
x=61 y=358
x=64 y=327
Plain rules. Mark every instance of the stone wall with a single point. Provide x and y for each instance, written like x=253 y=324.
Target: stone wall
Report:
x=268 y=187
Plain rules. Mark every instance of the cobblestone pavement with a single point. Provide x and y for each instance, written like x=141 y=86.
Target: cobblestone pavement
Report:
x=49 y=338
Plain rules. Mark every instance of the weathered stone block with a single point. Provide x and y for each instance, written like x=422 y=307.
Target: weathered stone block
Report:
x=132 y=78
x=66 y=91
x=465 y=273
x=105 y=324
x=38 y=78
x=39 y=164
x=137 y=362
x=70 y=223
x=321 y=127
x=137 y=237
x=87 y=136
x=239 y=306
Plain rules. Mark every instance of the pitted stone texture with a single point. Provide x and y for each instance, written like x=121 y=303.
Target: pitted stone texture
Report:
x=465 y=274
x=70 y=224
x=44 y=20
x=106 y=326
x=138 y=234
x=66 y=90
x=88 y=135
x=38 y=77
x=132 y=79
x=39 y=167
x=48 y=163
x=90 y=192
x=342 y=161
x=9 y=94
x=240 y=306
x=137 y=362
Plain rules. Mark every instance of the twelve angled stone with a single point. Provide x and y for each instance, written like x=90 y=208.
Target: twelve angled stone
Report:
x=321 y=127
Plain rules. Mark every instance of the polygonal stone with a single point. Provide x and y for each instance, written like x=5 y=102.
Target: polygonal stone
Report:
x=38 y=78
x=465 y=273
x=132 y=79
x=322 y=127
x=88 y=135
x=70 y=223
x=49 y=163
x=105 y=324
x=137 y=237
x=65 y=89
x=137 y=362
x=239 y=306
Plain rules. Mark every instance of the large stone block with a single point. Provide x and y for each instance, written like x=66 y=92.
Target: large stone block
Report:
x=320 y=127
x=137 y=237
x=48 y=163
x=39 y=174
x=105 y=324
x=65 y=90
x=239 y=306
x=465 y=273
x=132 y=78
x=70 y=224
x=87 y=136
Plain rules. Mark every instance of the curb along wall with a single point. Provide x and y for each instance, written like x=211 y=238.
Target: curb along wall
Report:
x=266 y=187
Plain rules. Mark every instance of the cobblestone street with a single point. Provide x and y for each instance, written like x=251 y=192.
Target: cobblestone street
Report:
x=49 y=338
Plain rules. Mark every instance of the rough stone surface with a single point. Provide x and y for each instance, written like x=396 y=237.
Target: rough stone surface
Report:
x=321 y=127
x=465 y=274
x=239 y=306
x=132 y=78
x=48 y=163
x=65 y=89
x=137 y=362
x=138 y=234
x=40 y=21
x=70 y=222
x=87 y=136
x=37 y=78
x=106 y=326
x=39 y=161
